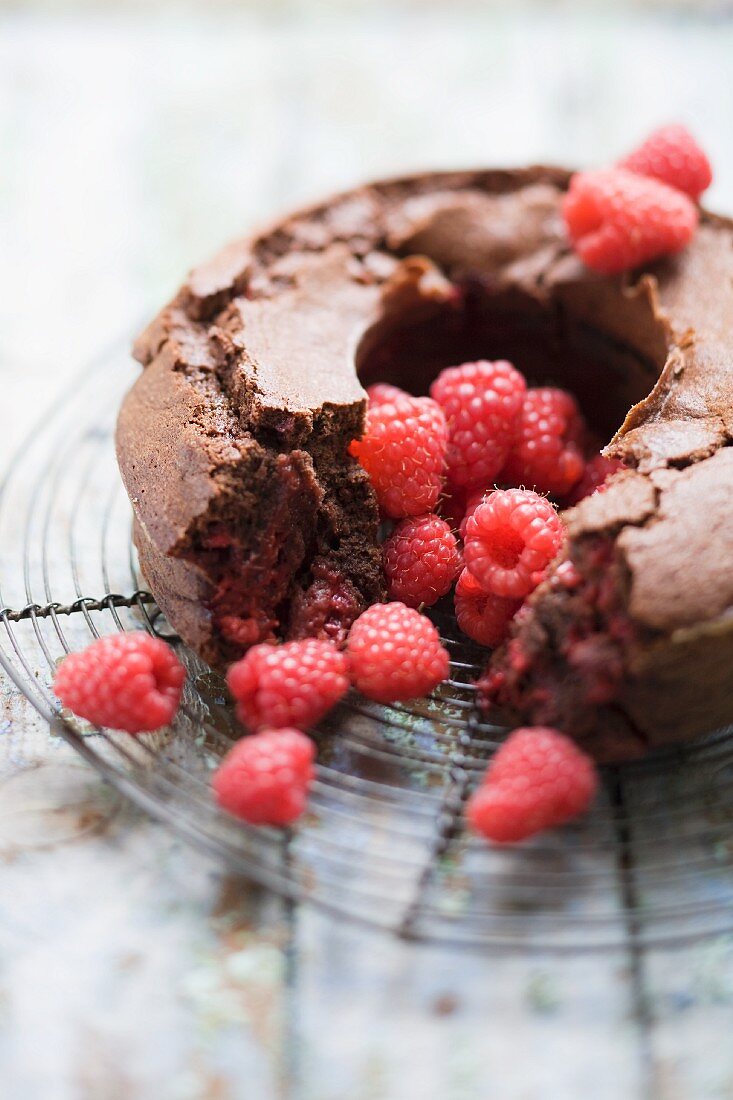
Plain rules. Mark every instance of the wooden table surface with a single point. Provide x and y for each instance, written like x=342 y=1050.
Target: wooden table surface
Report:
x=133 y=142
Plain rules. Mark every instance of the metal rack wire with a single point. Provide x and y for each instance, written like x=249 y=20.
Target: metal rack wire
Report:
x=383 y=842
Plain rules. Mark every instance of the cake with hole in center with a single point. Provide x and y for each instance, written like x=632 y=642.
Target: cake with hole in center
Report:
x=253 y=522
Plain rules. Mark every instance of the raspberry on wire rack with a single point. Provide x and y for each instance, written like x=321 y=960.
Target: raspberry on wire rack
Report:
x=293 y=684
x=264 y=779
x=395 y=653
x=537 y=779
x=131 y=682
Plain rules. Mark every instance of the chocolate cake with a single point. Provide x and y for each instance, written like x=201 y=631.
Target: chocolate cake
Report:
x=252 y=521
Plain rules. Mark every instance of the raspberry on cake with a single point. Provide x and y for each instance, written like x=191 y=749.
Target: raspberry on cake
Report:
x=511 y=538
x=538 y=779
x=547 y=454
x=403 y=450
x=617 y=220
x=293 y=684
x=264 y=779
x=672 y=155
x=395 y=654
x=421 y=560
x=130 y=682
x=481 y=402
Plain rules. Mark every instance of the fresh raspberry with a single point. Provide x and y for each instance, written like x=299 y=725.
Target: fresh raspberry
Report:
x=403 y=450
x=265 y=778
x=598 y=471
x=395 y=653
x=481 y=615
x=380 y=392
x=288 y=685
x=546 y=455
x=510 y=540
x=481 y=402
x=421 y=560
x=538 y=778
x=672 y=155
x=617 y=220
x=129 y=682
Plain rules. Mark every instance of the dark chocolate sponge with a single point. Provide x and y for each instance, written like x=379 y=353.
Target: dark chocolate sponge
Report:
x=252 y=521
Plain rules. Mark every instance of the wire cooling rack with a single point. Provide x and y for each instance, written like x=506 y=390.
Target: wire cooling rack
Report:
x=383 y=841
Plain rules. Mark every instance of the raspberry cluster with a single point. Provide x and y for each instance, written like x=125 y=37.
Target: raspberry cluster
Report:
x=133 y=682
x=643 y=208
x=498 y=432
x=393 y=653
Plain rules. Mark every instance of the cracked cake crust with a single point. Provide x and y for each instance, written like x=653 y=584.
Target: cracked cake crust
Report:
x=251 y=520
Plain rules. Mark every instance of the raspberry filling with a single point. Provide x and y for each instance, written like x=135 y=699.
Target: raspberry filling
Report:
x=247 y=567
x=327 y=608
x=577 y=621
x=283 y=576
